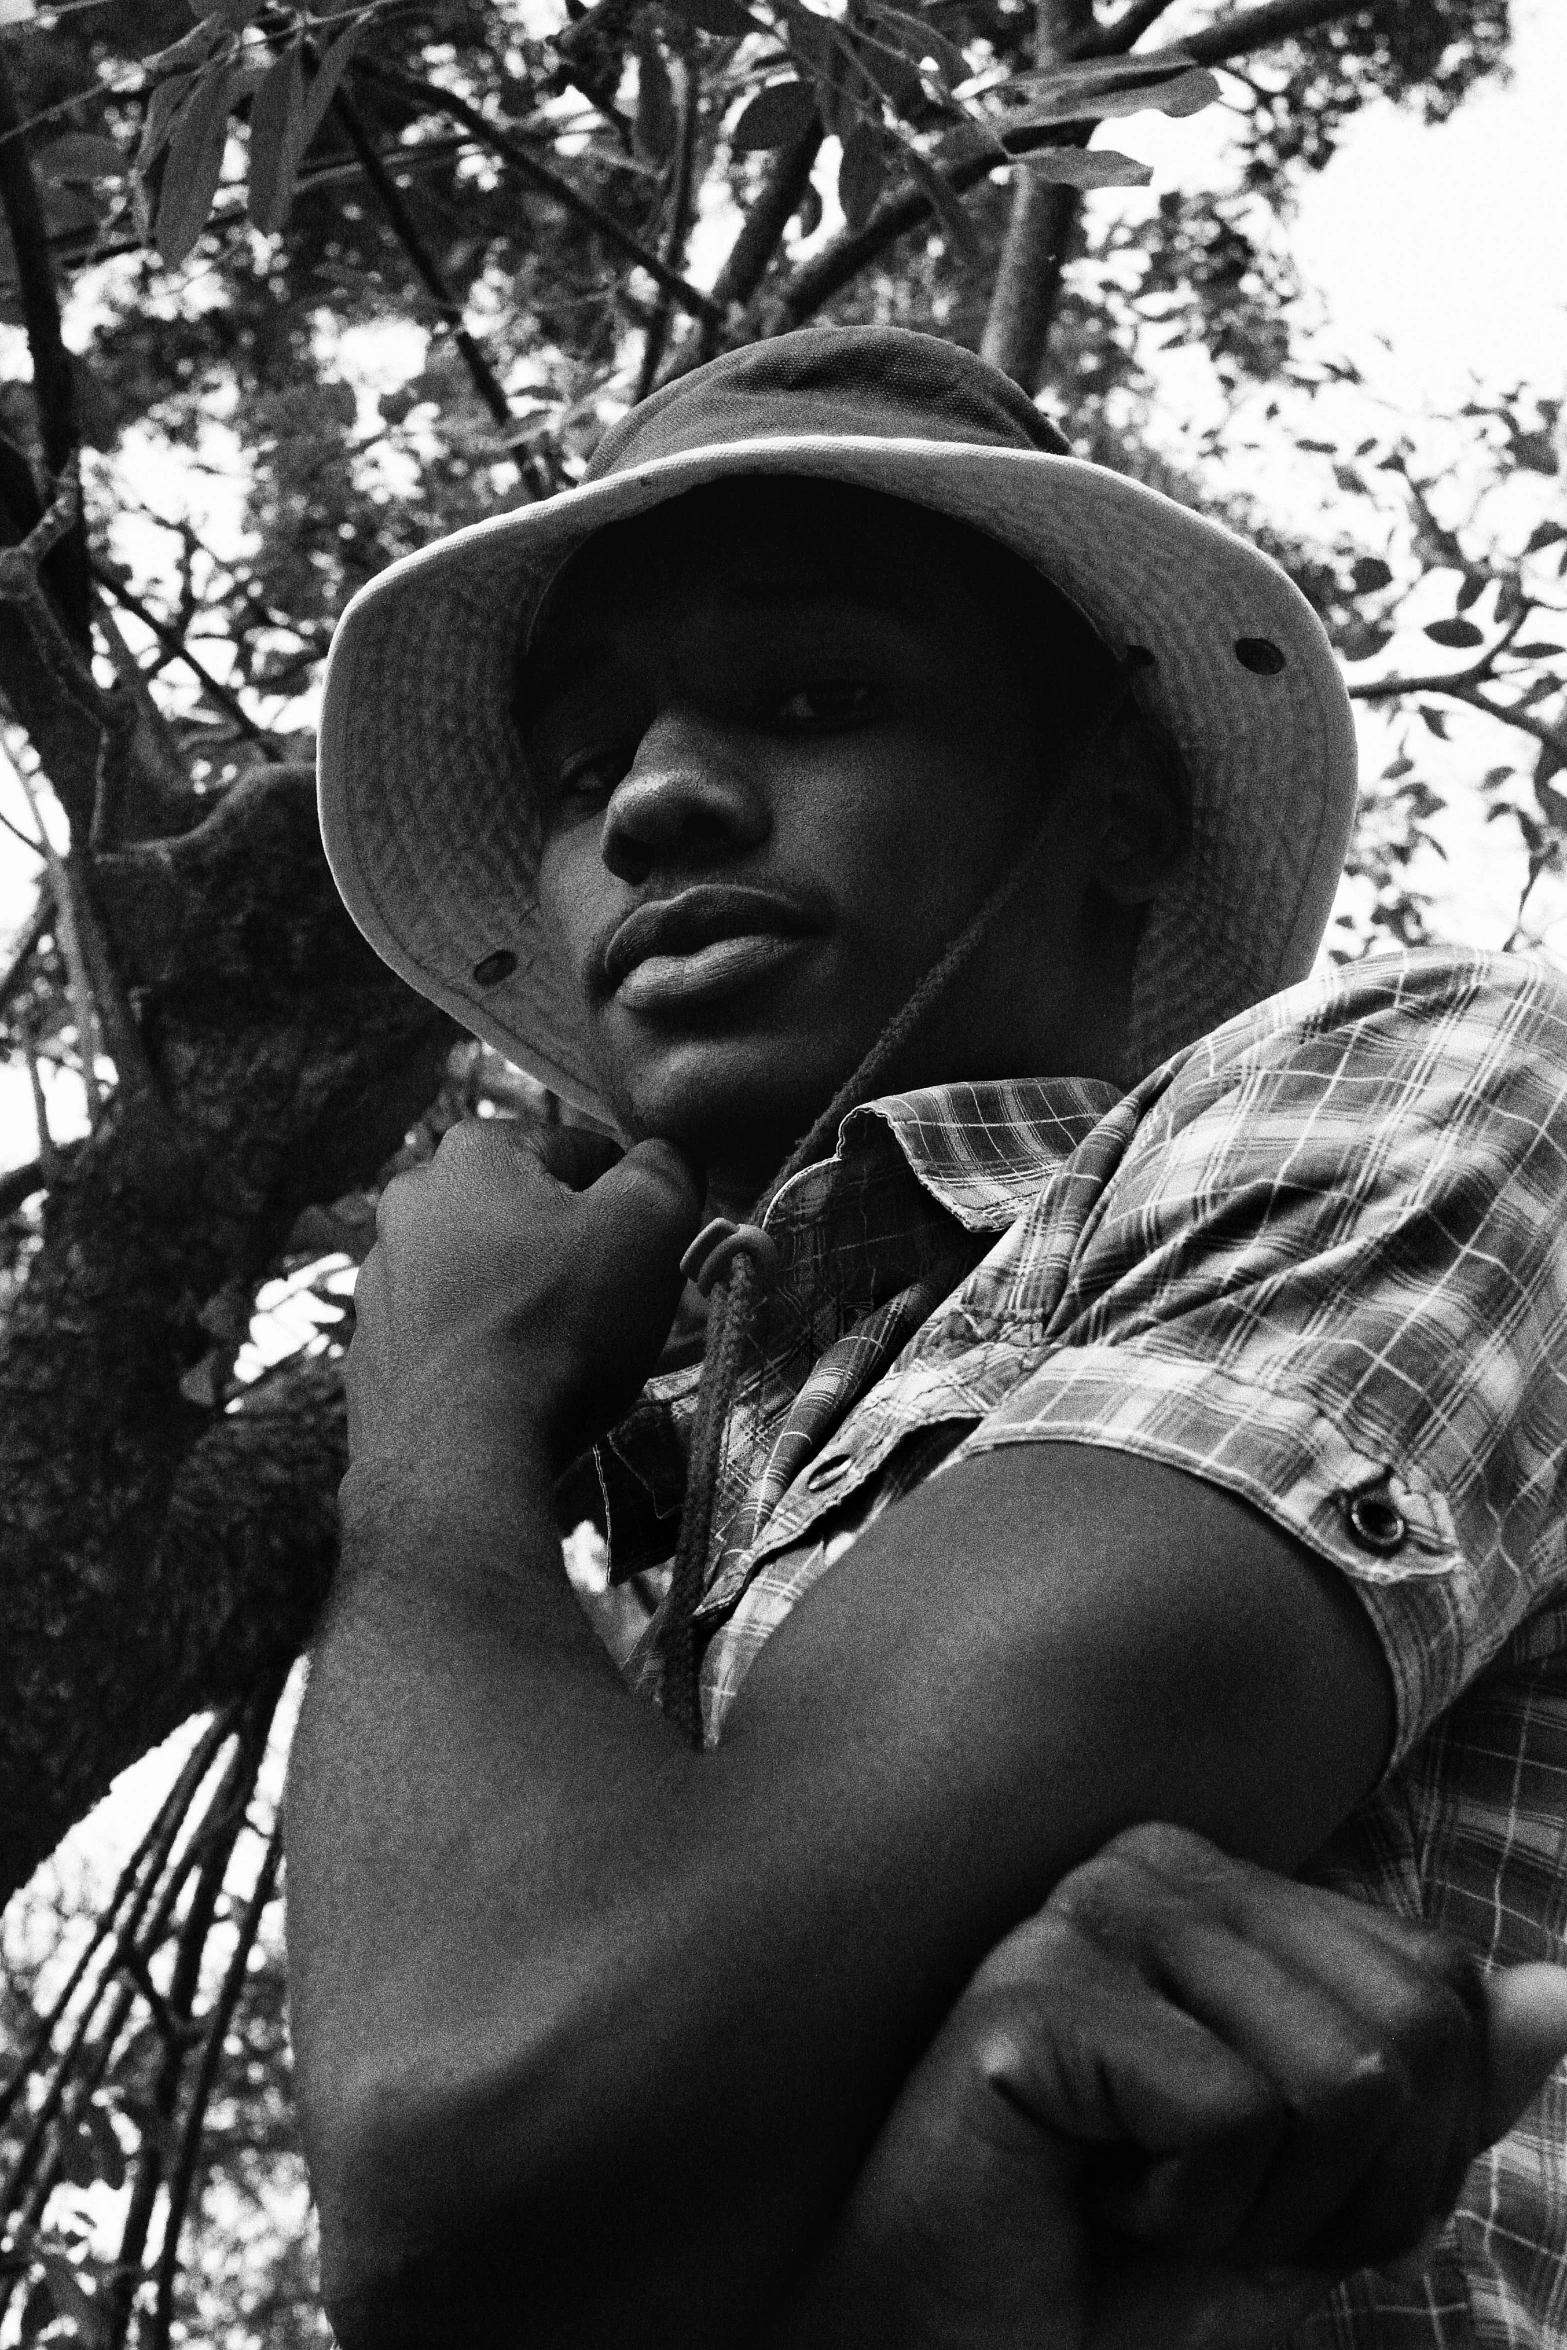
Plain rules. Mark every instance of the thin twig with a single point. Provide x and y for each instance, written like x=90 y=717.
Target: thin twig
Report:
x=530 y=167
x=222 y=2015
x=816 y=281
x=159 y=734
x=227 y=1823
x=78 y=980
x=39 y=923
x=680 y=211
x=404 y=228
x=48 y=1155
x=1129 y=27
x=175 y=646
x=19 y=1183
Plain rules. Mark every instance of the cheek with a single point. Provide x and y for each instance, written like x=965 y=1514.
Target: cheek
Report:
x=572 y=884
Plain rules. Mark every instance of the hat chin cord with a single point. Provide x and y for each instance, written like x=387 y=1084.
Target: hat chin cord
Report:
x=730 y=1261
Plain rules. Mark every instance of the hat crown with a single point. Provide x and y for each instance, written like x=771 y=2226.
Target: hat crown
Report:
x=875 y=382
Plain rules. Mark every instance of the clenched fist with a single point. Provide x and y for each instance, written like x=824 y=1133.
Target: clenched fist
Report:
x=502 y=1300
x=1171 y=2109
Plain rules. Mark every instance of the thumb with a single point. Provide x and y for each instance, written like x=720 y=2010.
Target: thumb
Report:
x=1526 y=2018
x=650 y=1200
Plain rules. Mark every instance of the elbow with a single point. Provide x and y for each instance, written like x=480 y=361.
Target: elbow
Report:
x=455 y=2214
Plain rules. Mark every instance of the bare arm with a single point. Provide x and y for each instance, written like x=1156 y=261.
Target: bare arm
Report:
x=593 y=2034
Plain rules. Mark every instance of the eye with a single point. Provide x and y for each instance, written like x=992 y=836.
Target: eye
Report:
x=825 y=702
x=588 y=776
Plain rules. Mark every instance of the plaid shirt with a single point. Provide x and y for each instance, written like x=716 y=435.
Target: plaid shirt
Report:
x=1319 y=1259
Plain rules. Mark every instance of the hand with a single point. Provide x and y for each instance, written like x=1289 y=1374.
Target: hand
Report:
x=1171 y=2109
x=497 y=1290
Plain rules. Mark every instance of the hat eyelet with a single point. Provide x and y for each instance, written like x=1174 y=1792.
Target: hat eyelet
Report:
x=490 y=970
x=1260 y=655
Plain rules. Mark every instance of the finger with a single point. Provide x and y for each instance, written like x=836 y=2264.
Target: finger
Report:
x=1176 y=2130
x=1376 y=2056
x=654 y=1191
x=1527 y=2012
x=574 y=1155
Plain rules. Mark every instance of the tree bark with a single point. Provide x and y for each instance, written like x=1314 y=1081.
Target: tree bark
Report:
x=1043 y=221
x=160 y=1556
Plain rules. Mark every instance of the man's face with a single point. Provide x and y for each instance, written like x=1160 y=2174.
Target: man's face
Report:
x=780 y=764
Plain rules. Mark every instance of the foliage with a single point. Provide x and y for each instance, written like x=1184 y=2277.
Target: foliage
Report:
x=339 y=279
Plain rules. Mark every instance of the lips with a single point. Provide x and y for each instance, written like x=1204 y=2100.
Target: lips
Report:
x=698 y=919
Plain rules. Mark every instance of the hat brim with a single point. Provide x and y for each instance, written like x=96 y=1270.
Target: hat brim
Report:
x=430 y=831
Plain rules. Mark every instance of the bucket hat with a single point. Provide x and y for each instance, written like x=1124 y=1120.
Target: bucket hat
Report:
x=426 y=816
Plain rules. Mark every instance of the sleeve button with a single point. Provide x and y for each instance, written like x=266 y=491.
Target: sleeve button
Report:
x=1375 y=1521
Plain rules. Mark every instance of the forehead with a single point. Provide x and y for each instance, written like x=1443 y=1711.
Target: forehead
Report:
x=752 y=548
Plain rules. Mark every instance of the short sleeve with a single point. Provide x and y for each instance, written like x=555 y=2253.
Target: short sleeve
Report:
x=1330 y=1275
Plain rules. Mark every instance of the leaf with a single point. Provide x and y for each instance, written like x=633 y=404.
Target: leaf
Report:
x=1537 y=649
x=78 y=159
x=655 y=128
x=1471 y=590
x=195 y=164
x=776 y=117
x=919 y=42
x=1349 y=481
x=1087 y=167
x=1371 y=575
x=1454 y=632
x=1545 y=534
x=158 y=122
x=193 y=50
x=724 y=18
x=1435 y=721
x=1362 y=642
x=862 y=173
x=276 y=113
x=1093 y=93
x=327 y=76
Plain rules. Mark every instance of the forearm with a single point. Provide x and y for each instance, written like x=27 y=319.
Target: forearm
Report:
x=581 y=1971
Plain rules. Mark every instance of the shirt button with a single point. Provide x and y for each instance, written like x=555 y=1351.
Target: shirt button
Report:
x=825 y=1473
x=1376 y=1521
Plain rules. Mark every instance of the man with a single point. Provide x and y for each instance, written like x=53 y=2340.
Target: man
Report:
x=1120 y=1405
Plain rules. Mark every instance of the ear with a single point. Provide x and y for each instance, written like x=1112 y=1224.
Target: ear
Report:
x=1141 y=818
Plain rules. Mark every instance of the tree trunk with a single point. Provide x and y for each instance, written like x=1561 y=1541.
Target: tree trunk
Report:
x=1040 y=232
x=158 y=1555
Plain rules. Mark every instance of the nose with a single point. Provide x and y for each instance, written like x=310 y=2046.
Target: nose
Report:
x=686 y=801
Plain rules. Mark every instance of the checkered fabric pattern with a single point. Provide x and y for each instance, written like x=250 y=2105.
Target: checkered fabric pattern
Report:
x=1319 y=1259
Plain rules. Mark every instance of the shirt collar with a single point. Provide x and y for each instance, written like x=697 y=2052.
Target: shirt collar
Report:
x=979 y=1150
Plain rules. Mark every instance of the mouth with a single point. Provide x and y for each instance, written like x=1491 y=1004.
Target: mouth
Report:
x=708 y=942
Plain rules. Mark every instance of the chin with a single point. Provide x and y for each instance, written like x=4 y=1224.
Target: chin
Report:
x=738 y=1100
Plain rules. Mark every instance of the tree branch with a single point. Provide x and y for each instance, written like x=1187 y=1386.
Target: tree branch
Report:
x=777 y=200
x=542 y=175
x=1129 y=27
x=401 y=222
x=680 y=213
x=175 y=645
x=1039 y=228
x=54 y=382
x=38 y=924
x=826 y=274
x=1456 y=689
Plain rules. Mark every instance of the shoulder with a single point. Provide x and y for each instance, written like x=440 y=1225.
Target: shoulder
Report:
x=1407 y=1034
